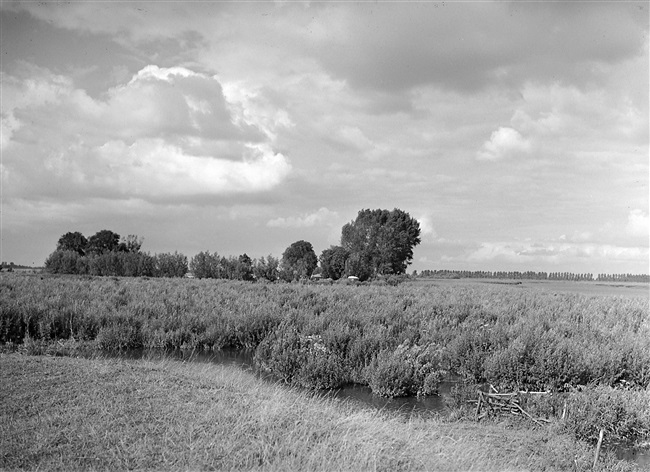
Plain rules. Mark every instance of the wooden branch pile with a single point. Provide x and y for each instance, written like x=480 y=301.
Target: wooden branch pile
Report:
x=495 y=403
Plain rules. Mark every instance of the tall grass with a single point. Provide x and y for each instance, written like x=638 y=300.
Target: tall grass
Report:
x=398 y=340
x=509 y=337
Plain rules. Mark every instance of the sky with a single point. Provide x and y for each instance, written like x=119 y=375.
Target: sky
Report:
x=517 y=134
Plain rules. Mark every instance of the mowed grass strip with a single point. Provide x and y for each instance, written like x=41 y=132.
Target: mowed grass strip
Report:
x=61 y=413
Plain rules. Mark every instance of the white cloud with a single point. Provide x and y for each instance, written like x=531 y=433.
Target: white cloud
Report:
x=637 y=224
x=504 y=143
x=166 y=132
x=155 y=72
x=426 y=226
x=249 y=105
x=152 y=167
x=321 y=217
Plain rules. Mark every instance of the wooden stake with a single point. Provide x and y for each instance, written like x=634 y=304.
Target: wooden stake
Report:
x=600 y=441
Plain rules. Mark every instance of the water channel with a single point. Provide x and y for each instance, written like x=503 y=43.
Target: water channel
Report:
x=355 y=394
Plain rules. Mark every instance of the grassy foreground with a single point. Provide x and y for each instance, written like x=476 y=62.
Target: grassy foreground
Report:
x=61 y=413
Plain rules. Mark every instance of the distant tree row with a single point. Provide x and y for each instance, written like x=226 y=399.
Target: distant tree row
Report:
x=298 y=262
x=623 y=278
x=530 y=275
x=213 y=266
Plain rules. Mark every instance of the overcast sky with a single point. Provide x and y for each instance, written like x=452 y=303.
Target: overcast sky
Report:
x=516 y=133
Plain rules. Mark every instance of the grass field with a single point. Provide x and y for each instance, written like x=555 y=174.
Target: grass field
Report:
x=591 y=352
x=61 y=413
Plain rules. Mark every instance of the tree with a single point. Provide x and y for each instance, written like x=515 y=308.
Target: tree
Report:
x=266 y=268
x=380 y=242
x=244 y=268
x=332 y=262
x=298 y=261
x=131 y=243
x=205 y=265
x=170 y=265
x=103 y=241
x=76 y=242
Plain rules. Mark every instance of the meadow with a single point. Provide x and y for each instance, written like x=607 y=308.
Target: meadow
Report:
x=65 y=413
x=591 y=353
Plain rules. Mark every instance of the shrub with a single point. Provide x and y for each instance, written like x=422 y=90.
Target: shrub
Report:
x=117 y=336
x=407 y=370
x=299 y=359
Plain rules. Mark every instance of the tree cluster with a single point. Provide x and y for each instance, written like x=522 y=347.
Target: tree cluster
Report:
x=105 y=253
x=213 y=266
x=376 y=243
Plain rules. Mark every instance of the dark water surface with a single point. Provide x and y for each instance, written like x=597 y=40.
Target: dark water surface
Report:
x=355 y=394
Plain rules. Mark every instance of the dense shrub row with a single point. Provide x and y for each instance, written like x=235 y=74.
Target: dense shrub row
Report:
x=117 y=263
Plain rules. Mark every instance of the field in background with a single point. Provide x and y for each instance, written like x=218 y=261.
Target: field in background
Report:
x=614 y=289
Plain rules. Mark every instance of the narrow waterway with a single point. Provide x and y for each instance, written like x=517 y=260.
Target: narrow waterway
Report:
x=356 y=394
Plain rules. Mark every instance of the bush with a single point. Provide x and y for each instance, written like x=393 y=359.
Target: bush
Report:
x=407 y=370
x=119 y=335
x=301 y=360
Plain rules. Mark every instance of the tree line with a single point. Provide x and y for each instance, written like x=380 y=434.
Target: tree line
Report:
x=377 y=243
x=530 y=275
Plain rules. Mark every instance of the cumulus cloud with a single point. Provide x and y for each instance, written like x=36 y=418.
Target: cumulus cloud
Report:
x=168 y=131
x=153 y=168
x=505 y=142
x=426 y=226
x=250 y=106
x=322 y=216
x=638 y=224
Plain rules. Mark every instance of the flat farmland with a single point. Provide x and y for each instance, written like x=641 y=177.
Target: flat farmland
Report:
x=612 y=289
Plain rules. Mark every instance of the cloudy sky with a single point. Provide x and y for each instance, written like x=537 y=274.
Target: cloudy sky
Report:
x=516 y=133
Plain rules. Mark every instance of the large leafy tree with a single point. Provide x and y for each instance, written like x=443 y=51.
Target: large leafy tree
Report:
x=70 y=241
x=332 y=262
x=298 y=261
x=380 y=242
x=103 y=241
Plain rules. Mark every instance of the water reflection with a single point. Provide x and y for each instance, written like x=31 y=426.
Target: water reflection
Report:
x=640 y=457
